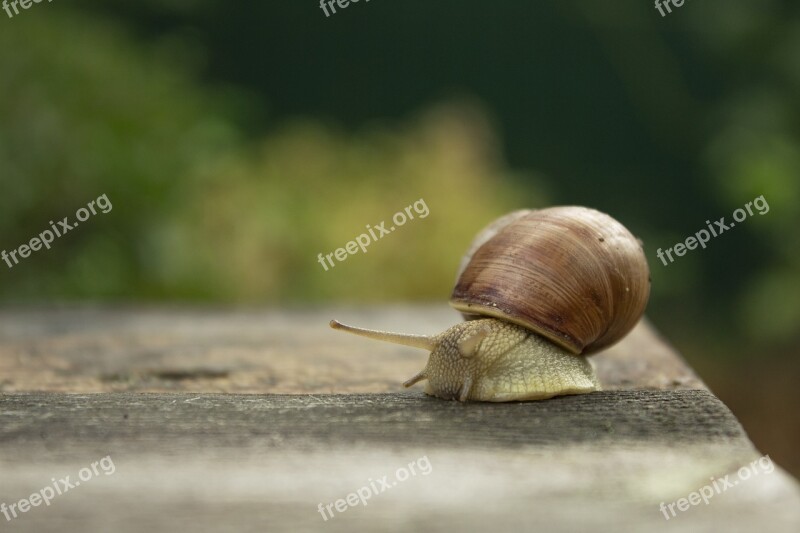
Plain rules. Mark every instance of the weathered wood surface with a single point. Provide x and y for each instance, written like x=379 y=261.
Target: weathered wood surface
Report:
x=283 y=352
x=198 y=460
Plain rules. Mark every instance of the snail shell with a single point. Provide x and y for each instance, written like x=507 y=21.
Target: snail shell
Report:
x=572 y=274
x=549 y=285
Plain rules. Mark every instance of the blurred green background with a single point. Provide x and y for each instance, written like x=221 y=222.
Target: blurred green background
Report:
x=238 y=141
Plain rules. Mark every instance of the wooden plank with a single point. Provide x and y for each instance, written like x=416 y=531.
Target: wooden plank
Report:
x=221 y=420
x=156 y=350
x=265 y=462
x=340 y=420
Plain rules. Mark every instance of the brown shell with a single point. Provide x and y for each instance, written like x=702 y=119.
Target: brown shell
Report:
x=572 y=274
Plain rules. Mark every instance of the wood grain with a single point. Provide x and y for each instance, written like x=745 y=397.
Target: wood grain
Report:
x=220 y=420
x=286 y=352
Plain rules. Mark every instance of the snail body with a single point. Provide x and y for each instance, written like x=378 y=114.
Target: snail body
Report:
x=540 y=290
x=494 y=361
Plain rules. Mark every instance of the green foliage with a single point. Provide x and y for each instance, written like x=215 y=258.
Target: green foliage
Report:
x=251 y=228
x=193 y=217
x=756 y=151
x=664 y=124
x=85 y=111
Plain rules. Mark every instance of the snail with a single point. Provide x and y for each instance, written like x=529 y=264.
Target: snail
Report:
x=540 y=291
